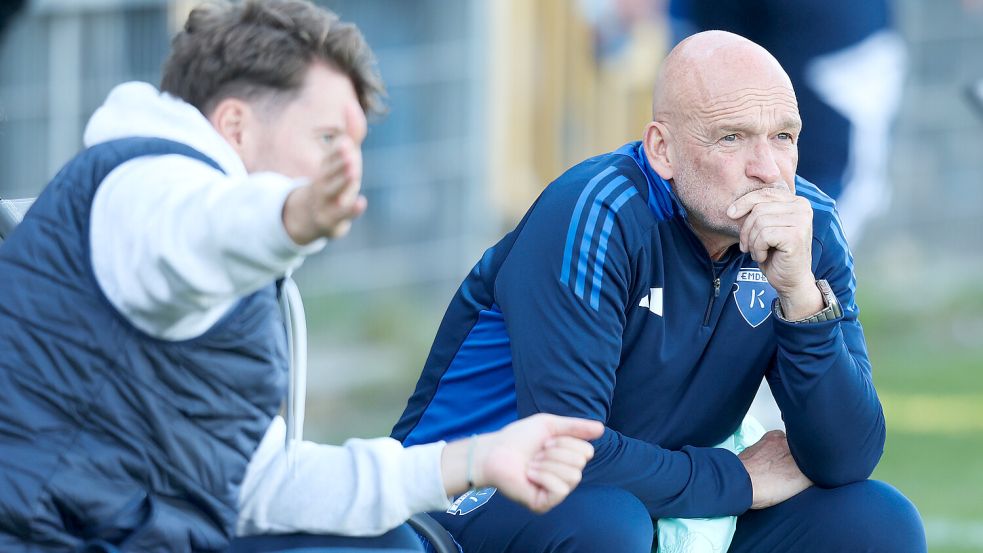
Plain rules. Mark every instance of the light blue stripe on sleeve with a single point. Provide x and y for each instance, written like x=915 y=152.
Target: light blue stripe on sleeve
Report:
x=814 y=195
x=575 y=222
x=602 y=246
x=585 y=243
x=838 y=235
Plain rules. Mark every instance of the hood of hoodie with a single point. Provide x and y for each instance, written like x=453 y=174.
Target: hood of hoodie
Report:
x=137 y=109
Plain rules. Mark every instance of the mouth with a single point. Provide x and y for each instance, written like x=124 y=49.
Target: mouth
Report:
x=780 y=185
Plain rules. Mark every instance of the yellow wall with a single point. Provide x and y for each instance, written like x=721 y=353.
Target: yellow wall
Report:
x=551 y=104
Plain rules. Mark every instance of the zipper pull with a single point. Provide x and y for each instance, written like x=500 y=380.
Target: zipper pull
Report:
x=716 y=287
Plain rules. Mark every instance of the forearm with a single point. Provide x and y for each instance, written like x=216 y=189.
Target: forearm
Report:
x=692 y=482
x=175 y=243
x=364 y=487
x=833 y=417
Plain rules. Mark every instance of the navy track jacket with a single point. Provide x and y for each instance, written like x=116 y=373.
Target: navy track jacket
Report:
x=604 y=304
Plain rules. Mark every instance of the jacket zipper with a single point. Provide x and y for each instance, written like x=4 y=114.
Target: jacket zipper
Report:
x=713 y=297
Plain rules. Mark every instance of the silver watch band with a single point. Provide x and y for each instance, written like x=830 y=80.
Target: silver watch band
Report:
x=831 y=312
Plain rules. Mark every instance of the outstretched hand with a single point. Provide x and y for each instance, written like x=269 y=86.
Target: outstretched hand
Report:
x=326 y=206
x=536 y=461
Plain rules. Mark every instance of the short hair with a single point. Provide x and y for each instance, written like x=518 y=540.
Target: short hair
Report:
x=264 y=48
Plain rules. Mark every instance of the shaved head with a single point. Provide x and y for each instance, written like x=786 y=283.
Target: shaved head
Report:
x=712 y=67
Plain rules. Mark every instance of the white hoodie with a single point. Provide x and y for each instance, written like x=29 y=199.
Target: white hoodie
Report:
x=175 y=244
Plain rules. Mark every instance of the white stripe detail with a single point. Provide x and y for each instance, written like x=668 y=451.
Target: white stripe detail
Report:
x=653 y=301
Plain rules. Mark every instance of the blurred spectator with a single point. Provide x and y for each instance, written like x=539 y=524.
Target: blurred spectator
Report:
x=8 y=10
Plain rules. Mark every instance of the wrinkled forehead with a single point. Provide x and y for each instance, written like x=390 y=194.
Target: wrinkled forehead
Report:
x=747 y=107
x=737 y=88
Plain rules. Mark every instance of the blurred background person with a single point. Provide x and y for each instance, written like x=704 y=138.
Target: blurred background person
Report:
x=7 y=12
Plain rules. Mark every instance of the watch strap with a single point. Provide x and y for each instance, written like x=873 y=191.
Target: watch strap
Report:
x=831 y=312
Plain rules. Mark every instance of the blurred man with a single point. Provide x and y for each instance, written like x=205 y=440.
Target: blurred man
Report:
x=652 y=288
x=143 y=354
x=8 y=10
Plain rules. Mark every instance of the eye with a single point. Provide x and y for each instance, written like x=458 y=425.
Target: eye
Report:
x=328 y=137
x=729 y=138
x=785 y=136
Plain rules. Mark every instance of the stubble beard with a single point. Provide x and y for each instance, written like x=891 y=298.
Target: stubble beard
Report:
x=706 y=210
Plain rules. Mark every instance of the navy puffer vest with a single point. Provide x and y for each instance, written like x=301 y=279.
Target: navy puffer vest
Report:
x=108 y=434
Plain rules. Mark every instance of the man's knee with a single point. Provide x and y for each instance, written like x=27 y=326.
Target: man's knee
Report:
x=602 y=519
x=873 y=516
x=868 y=516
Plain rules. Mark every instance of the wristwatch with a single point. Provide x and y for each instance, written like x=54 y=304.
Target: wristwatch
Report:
x=831 y=312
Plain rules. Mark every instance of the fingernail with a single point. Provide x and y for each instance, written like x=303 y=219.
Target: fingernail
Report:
x=731 y=210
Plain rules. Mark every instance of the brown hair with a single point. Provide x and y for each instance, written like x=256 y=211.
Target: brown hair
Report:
x=263 y=48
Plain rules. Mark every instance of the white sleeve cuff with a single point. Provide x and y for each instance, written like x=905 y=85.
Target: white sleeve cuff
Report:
x=363 y=488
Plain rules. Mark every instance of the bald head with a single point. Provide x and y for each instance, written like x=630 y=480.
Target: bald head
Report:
x=711 y=68
x=725 y=123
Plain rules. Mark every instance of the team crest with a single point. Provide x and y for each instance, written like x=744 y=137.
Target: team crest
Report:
x=471 y=500
x=753 y=296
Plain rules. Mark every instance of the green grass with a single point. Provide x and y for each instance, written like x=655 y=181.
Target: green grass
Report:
x=928 y=369
x=395 y=319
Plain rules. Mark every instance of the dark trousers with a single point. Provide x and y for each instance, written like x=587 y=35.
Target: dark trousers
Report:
x=868 y=516
x=399 y=540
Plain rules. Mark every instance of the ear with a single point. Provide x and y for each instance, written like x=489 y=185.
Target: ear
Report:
x=657 y=149
x=235 y=120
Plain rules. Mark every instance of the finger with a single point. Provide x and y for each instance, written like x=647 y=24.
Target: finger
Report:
x=743 y=205
x=342 y=167
x=780 y=238
x=572 y=450
x=348 y=193
x=331 y=182
x=764 y=241
x=753 y=227
x=578 y=428
x=569 y=475
x=554 y=487
x=343 y=220
x=764 y=209
x=576 y=458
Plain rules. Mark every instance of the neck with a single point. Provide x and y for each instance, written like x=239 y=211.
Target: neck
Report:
x=715 y=243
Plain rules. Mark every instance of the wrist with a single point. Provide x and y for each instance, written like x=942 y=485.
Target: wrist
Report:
x=829 y=311
x=297 y=220
x=471 y=473
x=802 y=301
x=462 y=464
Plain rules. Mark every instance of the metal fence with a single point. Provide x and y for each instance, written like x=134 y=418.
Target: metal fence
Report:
x=935 y=222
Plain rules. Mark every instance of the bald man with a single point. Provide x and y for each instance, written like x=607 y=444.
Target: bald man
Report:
x=652 y=288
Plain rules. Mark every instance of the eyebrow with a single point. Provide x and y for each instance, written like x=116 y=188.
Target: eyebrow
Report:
x=787 y=123
x=334 y=127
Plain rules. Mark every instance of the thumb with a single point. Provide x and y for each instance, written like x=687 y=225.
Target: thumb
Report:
x=578 y=428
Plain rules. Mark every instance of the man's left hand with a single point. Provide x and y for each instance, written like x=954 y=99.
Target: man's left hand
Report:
x=777 y=232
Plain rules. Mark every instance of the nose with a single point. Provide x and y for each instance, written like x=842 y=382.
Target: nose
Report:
x=762 y=164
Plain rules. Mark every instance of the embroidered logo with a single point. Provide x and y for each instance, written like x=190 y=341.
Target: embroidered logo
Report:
x=753 y=295
x=653 y=301
x=471 y=500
